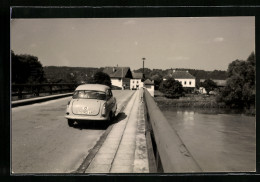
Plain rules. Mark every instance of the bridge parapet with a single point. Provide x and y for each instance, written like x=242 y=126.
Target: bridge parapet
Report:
x=171 y=154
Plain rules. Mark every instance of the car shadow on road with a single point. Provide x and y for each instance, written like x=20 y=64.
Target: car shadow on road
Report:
x=119 y=117
x=99 y=125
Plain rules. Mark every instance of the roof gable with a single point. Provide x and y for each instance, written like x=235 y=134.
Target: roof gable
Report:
x=137 y=75
x=181 y=75
x=117 y=72
x=148 y=82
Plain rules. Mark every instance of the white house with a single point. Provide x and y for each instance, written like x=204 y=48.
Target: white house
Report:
x=219 y=83
x=120 y=76
x=149 y=85
x=184 y=77
x=136 y=81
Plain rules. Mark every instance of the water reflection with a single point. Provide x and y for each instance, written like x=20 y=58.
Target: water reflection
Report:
x=220 y=140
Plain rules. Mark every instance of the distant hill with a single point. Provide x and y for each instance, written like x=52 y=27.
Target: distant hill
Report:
x=64 y=74
x=199 y=74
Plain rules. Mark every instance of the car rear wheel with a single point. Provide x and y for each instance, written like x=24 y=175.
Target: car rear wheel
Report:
x=70 y=122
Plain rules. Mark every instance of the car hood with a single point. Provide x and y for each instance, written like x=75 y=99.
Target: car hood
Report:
x=90 y=107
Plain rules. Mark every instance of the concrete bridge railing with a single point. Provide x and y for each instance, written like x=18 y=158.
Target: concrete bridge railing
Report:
x=171 y=154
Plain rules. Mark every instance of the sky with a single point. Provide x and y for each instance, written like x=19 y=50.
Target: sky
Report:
x=208 y=43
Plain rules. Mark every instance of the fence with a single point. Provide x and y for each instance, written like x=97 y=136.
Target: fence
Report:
x=171 y=154
x=22 y=90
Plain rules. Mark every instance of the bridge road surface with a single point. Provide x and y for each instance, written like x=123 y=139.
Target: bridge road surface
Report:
x=42 y=142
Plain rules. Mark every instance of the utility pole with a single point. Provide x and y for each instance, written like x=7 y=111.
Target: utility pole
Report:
x=143 y=67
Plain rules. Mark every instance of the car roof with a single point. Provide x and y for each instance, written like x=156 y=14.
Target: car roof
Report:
x=97 y=87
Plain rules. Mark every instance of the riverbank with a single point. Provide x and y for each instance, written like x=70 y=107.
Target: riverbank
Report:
x=194 y=101
x=190 y=100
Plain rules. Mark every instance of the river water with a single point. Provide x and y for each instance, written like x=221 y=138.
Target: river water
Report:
x=219 y=140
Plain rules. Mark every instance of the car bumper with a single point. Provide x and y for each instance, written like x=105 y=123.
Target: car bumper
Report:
x=96 y=118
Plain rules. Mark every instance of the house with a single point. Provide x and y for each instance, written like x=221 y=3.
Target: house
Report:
x=149 y=85
x=120 y=76
x=219 y=83
x=136 y=81
x=184 y=77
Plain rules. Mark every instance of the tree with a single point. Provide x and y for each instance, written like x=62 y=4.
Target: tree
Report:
x=157 y=81
x=240 y=89
x=26 y=69
x=171 y=88
x=102 y=78
x=209 y=85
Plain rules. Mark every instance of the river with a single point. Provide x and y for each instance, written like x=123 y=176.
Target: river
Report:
x=219 y=140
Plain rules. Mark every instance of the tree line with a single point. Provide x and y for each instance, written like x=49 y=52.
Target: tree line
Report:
x=240 y=89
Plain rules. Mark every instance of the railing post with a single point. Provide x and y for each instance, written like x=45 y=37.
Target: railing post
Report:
x=37 y=93
x=20 y=90
x=50 y=86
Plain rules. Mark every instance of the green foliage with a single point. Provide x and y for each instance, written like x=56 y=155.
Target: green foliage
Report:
x=171 y=88
x=209 y=85
x=240 y=89
x=102 y=78
x=26 y=69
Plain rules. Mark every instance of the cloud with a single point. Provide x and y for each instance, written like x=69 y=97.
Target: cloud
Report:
x=181 y=58
x=33 y=45
x=218 y=39
x=130 y=22
x=136 y=43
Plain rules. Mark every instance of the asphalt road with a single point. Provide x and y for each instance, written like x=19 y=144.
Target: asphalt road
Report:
x=42 y=141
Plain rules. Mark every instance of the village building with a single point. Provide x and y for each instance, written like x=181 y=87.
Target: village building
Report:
x=120 y=76
x=149 y=85
x=219 y=83
x=136 y=82
x=184 y=77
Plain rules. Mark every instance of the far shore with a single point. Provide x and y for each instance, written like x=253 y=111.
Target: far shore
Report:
x=193 y=101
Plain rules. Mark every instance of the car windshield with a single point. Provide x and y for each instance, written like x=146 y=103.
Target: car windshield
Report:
x=89 y=94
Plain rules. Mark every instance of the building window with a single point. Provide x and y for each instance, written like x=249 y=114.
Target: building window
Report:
x=190 y=83
x=185 y=83
x=133 y=81
x=136 y=81
x=181 y=82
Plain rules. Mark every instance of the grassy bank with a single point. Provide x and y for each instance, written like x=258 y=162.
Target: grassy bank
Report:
x=190 y=100
x=195 y=101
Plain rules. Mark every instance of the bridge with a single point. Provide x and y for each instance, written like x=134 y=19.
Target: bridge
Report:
x=139 y=140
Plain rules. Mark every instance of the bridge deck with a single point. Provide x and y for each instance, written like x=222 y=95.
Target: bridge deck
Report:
x=124 y=150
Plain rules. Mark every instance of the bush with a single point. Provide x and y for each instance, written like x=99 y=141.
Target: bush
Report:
x=171 y=88
x=240 y=89
x=102 y=78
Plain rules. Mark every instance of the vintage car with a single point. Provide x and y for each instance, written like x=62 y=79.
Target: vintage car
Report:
x=91 y=102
